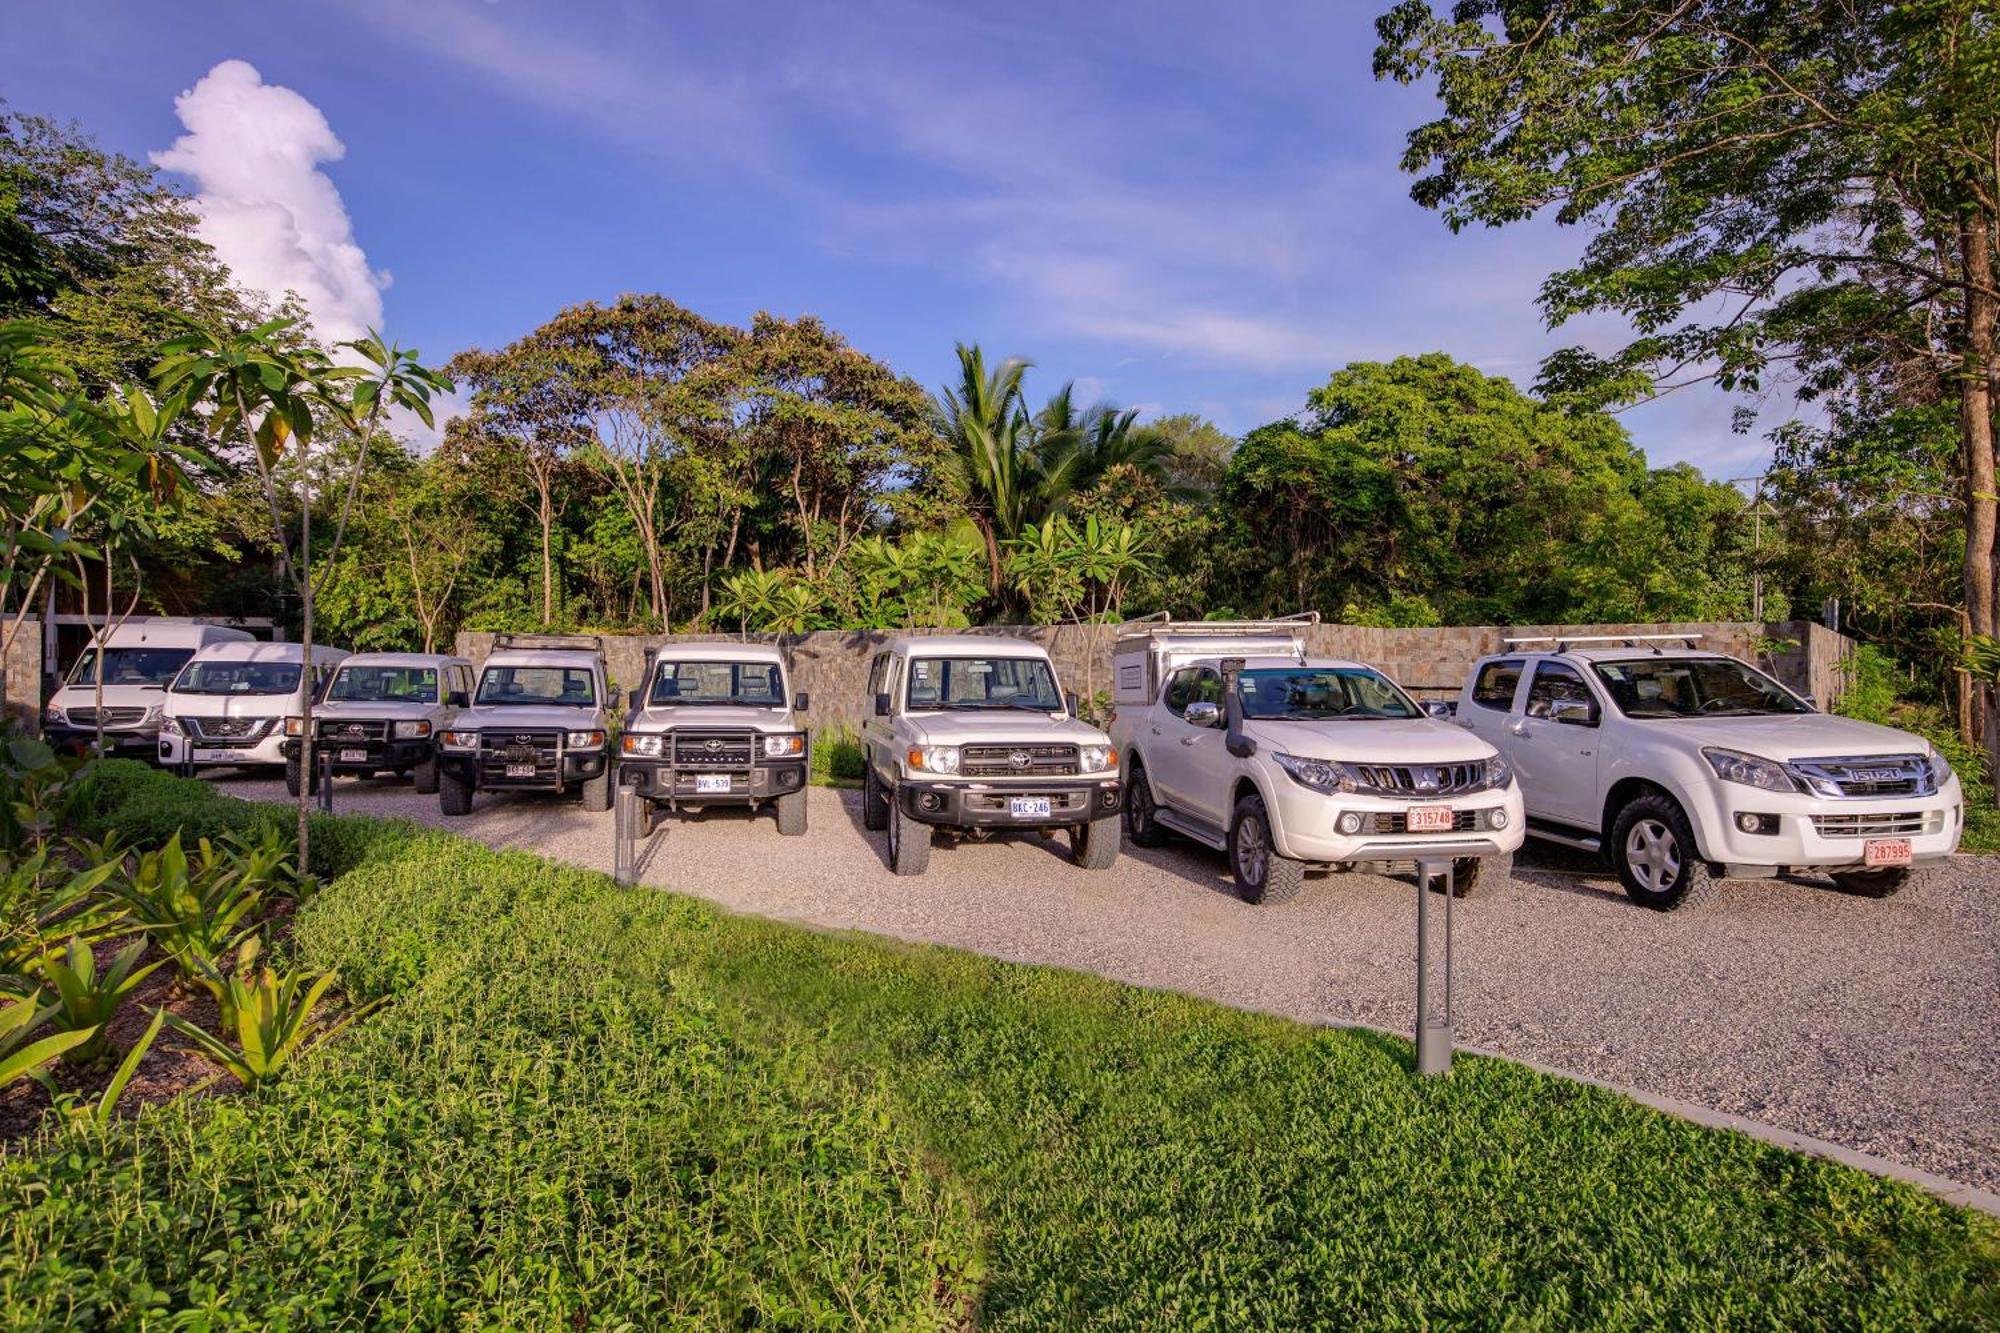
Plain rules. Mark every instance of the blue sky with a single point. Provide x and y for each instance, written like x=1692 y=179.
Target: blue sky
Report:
x=1186 y=207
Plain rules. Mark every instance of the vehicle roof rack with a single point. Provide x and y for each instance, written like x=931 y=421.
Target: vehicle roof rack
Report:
x=593 y=642
x=1564 y=643
x=1159 y=622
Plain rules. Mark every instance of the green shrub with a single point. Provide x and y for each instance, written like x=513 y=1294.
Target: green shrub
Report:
x=1877 y=692
x=838 y=756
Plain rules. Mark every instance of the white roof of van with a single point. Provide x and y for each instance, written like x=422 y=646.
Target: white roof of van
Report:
x=968 y=645
x=255 y=651
x=172 y=634
x=720 y=652
x=404 y=660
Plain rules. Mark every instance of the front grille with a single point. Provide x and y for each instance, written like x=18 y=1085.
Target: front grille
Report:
x=700 y=750
x=1879 y=825
x=498 y=749
x=1425 y=779
x=113 y=717
x=1018 y=761
x=228 y=732
x=1395 y=821
x=343 y=731
x=1871 y=775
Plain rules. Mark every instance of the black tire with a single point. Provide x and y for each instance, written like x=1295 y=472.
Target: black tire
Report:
x=874 y=801
x=454 y=794
x=1094 y=846
x=792 y=814
x=645 y=816
x=1262 y=876
x=1142 y=824
x=909 y=842
x=1653 y=850
x=295 y=777
x=1469 y=872
x=1880 y=883
x=426 y=776
x=597 y=792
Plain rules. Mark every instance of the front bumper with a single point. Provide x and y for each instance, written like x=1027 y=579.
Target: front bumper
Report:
x=990 y=804
x=571 y=769
x=1308 y=826
x=405 y=752
x=1821 y=833
x=117 y=741
x=658 y=780
x=177 y=750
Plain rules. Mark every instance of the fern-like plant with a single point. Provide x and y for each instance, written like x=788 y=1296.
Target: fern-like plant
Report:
x=269 y=1014
x=86 y=998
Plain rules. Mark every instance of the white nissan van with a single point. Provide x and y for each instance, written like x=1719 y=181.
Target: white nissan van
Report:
x=230 y=702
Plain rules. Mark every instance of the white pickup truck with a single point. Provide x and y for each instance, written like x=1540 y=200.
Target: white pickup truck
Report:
x=1232 y=736
x=970 y=734
x=1684 y=768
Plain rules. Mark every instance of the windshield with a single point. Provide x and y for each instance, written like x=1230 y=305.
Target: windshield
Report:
x=570 y=687
x=1694 y=687
x=984 y=682
x=1313 y=694
x=131 y=666
x=239 y=678
x=759 y=684
x=384 y=684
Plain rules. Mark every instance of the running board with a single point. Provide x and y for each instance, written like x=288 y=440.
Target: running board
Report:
x=1550 y=832
x=1187 y=825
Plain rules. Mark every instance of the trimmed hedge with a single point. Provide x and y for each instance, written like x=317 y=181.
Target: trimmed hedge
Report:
x=595 y=1106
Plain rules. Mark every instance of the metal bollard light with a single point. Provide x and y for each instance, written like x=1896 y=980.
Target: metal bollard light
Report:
x=1434 y=1033
x=624 y=819
x=325 y=782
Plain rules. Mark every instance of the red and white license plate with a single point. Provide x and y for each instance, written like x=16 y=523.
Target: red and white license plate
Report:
x=354 y=756
x=1886 y=852
x=1431 y=819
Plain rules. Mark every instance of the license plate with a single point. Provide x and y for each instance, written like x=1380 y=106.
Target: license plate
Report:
x=1432 y=818
x=1886 y=852
x=711 y=782
x=211 y=756
x=520 y=770
x=354 y=756
x=1029 y=807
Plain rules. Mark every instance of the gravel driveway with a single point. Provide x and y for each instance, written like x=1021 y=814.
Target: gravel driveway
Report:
x=1874 y=1024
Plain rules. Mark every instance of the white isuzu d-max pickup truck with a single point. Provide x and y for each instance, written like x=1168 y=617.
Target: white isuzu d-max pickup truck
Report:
x=1684 y=767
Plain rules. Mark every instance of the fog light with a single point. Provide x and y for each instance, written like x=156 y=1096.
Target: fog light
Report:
x=1497 y=819
x=1747 y=822
x=1108 y=797
x=929 y=801
x=1350 y=822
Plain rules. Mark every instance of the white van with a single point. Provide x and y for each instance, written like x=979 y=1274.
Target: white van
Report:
x=230 y=702
x=141 y=658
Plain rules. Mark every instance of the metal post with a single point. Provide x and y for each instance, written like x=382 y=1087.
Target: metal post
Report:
x=325 y=757
x=1434 y=1035
x=624 y=817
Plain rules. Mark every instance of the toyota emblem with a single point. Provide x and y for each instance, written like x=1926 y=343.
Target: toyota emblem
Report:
x=1019 y=759
x=713 y=746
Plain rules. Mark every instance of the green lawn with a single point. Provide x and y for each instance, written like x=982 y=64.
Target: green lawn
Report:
x=598 y=1107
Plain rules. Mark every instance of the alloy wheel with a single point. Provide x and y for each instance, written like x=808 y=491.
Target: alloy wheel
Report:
x=1654 y=855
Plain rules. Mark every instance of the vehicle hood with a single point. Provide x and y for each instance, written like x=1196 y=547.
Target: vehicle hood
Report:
x=233 y=705
x=529 y=717
x=713 y=715
x=115 y=696
x=1416 y=740
x=360 y=710
x=1792 y=736
x=1015 y=728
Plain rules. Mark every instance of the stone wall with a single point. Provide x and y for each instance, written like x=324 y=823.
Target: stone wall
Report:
x=832 y=665
x=24 y=677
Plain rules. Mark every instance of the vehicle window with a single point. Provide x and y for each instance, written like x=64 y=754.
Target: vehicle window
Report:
x=509 y=685
x=1179 y=690
x=1694 y=687
x=384 y=684
x=1206 y=687
x=239 y=678
x=1555 y=681
x=984 y=682
x=130 y=666
x=1495 y=685
x=878 y=671
x=760 y=684
x=462 y=680
x=1322 y=694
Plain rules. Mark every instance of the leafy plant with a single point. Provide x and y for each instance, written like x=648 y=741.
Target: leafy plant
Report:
x=41 y=791
x=77 y=1111
x=193 y=910
x=40 y=899
x=269 y=1013
x=20 y=1057
x=87 y=998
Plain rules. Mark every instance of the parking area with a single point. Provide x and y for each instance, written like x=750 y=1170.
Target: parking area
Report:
x=1871 y=1023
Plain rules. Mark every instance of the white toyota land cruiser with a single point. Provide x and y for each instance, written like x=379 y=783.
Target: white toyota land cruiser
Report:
x=537 y=722
x=1683 y=767
x=969 y=733
x=381 y=713
x=1232 y=736
x=716 y=724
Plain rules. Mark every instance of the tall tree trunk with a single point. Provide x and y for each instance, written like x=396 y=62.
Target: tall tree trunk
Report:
x=548 y=519
x=1976 y=420
x=305 y=586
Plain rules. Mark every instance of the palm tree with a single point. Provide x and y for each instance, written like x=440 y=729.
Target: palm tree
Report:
x=984 y=422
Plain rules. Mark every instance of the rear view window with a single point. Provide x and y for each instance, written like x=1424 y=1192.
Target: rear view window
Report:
x=1495 y=684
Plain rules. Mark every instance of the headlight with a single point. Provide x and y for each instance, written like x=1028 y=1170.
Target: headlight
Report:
x=295 y=726
x=1940 y=769
x=406 y=730
x=153 y=712
x=1097 y=758
x=53 y=714
x=460 y=740
x=933 y=758
x=585 y=740
x=1748 y=770
x=1498 y=773
x=1319 y=774
x=171 y=726
x=784 y=746
x=635 y=743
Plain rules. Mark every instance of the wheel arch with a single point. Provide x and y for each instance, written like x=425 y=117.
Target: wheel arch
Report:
x=1629 y=789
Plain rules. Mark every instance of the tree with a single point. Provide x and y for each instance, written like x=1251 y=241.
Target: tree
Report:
x=990 y=467
x=1808 y=191
x=1197 y=452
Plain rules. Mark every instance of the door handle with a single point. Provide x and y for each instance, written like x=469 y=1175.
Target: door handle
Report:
x=1519 y=726
x=1187 y=740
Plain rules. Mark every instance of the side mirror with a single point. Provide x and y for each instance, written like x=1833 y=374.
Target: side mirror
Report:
x=1573 y=712
x=801 y=702
x=1070 y=702
x=1202 y=713
x=457 y=699
x=882 y=705
x=1444 y=709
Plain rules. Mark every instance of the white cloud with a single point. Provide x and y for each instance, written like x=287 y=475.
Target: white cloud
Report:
x=253 y=151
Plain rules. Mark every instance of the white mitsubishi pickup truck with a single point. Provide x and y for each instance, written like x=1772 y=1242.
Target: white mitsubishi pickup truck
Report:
x=1231 y=735
x=1684 y=768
